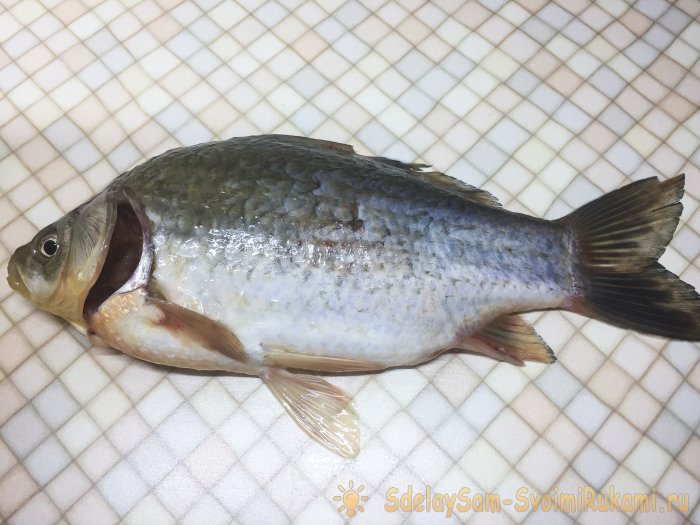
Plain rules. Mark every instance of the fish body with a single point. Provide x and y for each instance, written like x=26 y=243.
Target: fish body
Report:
x=327 y=253
x=261 y=254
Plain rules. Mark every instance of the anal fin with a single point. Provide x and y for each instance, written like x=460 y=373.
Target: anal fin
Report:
x=320 y=409
x=512 y=339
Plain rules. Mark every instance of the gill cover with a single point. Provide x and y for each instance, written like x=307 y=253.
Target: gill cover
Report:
x=59 y=282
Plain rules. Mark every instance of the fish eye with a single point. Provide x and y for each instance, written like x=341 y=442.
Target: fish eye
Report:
x=49 y=246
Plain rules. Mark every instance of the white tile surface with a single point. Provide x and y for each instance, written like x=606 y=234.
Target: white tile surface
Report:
x=546 y=104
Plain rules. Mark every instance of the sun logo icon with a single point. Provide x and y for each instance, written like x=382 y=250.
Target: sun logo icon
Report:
x=351 y=499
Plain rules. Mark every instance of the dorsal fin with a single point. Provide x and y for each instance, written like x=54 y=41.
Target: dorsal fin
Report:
x=311 y=143
x=458 y=187
x=440 y=180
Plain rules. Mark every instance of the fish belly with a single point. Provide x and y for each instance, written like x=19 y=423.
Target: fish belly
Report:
x=392 y=304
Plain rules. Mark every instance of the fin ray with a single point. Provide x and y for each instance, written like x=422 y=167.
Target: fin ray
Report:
x=617 y=240
x=321 y=410
x=203 y=330
x=512 y=339
x=160 y=332
x=639 y=219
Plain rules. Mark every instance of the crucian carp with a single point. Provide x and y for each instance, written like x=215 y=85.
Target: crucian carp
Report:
x=277 y=256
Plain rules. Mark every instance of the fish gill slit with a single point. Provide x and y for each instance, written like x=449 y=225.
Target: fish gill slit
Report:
x=123 y=257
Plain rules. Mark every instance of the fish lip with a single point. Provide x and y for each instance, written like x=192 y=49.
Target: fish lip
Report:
x=14 y=278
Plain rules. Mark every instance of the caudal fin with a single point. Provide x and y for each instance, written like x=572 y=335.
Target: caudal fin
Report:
x=618 y=239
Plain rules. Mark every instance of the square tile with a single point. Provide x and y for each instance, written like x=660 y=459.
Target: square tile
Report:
x=669 y=432
x=107 y=406
x=47 y=460
x=565 y=436
x=210 y=461
x=639 y=407
x=39 y=509
x=7 y=459
x=676 y=476
x=151 y=510
x=429 y=409
x=484 y=464
x=24 y=431
x=454 y=436
x=401 y=434
x=535 y=408
x=617 y=436
x=78 y=433
x=92 y=506
x=98 y=458
x=159 y=403
x=648 y=461
x=183 y=430
x=682 y=401
x=16 y=486
x=481 y=407
x=542 y=465
x=12 y=400
x=84 y=378
x=122 y=488
x=510 y=435
x=610 y=383
x=128 y=432
x=594 y=465
x=633 y=356
x=178 y=491
x=235 y=489
x=152 y=459
x=67 y=487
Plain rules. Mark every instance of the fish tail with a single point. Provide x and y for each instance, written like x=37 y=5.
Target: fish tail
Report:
x=618 y=239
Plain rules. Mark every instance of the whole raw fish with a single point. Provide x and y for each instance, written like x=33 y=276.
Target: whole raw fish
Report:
x=262 y=254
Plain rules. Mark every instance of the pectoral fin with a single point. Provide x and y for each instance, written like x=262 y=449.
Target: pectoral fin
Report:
x=203 y=330
x=320 y=409
x=512 y=339
x=161 y=332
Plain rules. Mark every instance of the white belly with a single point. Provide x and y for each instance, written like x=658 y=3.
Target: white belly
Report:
x=270 y=295
x=313 y=311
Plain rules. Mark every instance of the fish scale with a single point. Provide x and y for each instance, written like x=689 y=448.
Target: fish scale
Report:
x=428 y=246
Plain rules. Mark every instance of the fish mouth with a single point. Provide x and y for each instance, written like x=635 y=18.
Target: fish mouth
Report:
x=15 y=279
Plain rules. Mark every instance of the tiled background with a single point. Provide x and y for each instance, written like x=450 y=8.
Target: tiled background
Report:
x=547 y=105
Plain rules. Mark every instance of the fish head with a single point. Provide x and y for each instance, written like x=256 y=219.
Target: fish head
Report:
x=57 y=268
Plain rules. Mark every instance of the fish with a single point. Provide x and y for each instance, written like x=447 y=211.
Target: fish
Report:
x=288 y=258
